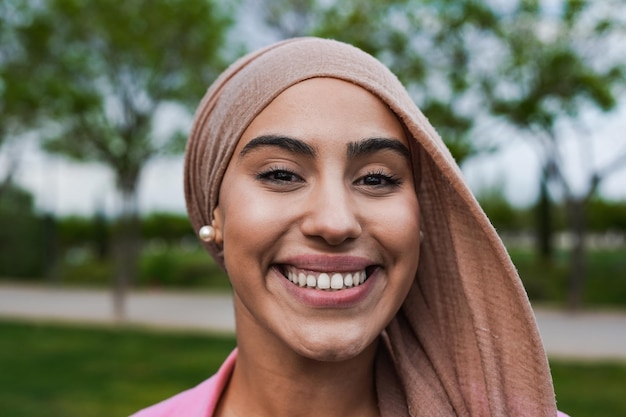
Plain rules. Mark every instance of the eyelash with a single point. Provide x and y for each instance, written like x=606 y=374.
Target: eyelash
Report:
x=380 y=175
x=267 y=174
x=392 y=180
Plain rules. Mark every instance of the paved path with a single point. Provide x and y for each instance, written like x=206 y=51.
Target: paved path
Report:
x=185 y=310
x=589 y=335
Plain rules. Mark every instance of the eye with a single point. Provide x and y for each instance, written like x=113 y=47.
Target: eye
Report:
x=279 y=176
x=379 y=179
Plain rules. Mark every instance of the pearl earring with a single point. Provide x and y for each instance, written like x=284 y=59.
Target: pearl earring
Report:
x=421 y=236
x=206 y=233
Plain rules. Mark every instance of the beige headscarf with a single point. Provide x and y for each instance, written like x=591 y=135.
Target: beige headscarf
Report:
x=465 y=342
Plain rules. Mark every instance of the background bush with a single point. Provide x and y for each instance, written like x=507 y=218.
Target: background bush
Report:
x=23 y=244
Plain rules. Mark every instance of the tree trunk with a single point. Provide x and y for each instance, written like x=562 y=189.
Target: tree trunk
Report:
x=126 y=254
x=101 y=235
x=576 y=211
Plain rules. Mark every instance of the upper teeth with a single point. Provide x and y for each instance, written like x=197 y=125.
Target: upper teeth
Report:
x=325 y=281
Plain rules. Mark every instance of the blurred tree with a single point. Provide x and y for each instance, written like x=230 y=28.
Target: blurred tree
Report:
x=556 y=63
x=18 y=94
x=105 y=71
x=437 y=49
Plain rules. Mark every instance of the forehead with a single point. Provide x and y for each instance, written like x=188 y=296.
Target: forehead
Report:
x=325 y=108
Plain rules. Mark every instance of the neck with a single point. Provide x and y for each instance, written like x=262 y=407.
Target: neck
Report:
x=270 y=379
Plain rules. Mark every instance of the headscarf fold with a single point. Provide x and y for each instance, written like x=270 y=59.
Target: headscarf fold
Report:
x=465 y=341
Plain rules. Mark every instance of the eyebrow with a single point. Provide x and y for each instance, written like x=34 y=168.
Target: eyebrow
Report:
x=284 y=142
x=372 y=145
x=356 y=149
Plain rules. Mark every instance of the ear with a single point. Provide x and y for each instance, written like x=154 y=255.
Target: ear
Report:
x=218 y=225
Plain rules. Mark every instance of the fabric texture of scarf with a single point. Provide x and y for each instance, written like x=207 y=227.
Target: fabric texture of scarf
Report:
x=465 y=341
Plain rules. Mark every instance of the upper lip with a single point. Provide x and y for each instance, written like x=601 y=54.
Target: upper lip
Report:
x=328 y=263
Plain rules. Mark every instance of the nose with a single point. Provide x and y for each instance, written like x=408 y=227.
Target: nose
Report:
x=331 y=214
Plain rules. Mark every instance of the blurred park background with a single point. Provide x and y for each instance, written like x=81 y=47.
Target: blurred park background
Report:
x=96 y=99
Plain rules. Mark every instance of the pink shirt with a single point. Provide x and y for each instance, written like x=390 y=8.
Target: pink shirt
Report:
x=202 y=400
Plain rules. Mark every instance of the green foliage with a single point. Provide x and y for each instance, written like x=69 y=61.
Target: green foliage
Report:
x=160 y=266
x=18 y=94
x=21 y=235
x=503 y=216
x=607 y=278
x=603 y=216
x=75 y=230
x=546 y=282
x=607 y=215
x=432 y=46
x=103 y=68
x=181 y=268
x=172 y=257
x=170 y=227
x=547 y=76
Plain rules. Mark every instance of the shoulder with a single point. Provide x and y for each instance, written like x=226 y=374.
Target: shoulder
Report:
x=199 y=401
x=560 y=414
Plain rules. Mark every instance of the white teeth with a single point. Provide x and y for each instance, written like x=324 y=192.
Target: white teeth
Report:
x=301 y=279
x=336 y=281
x=325 y=281
x=347 y=281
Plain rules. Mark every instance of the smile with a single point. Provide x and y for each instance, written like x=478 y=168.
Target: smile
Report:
x=327 y=281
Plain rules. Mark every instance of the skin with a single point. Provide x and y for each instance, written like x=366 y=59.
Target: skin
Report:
x=320 y=181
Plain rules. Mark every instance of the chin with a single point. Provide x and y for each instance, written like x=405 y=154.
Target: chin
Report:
x=333 y=348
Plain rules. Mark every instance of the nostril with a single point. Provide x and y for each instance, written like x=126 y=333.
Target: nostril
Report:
x=332 y=231
x=332 y=216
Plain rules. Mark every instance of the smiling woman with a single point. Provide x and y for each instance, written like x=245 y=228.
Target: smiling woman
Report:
x=315 y=194
x=312 y=178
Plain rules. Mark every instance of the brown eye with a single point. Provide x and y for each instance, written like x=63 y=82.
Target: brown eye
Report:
x=279 y=176
x=378 y=179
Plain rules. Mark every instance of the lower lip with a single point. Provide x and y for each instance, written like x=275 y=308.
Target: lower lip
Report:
x=346 y=298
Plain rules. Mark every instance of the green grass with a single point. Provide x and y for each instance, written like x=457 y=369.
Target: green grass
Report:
x=53 y=370
x=590 y=389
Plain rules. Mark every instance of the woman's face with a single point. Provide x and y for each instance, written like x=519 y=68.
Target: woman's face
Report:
x=319 y=220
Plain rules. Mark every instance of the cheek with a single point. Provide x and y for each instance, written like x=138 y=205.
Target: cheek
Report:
x=401 y=238
x=250 y=221
x=399 y=223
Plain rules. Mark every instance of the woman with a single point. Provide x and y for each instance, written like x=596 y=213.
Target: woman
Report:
x=366 y=279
